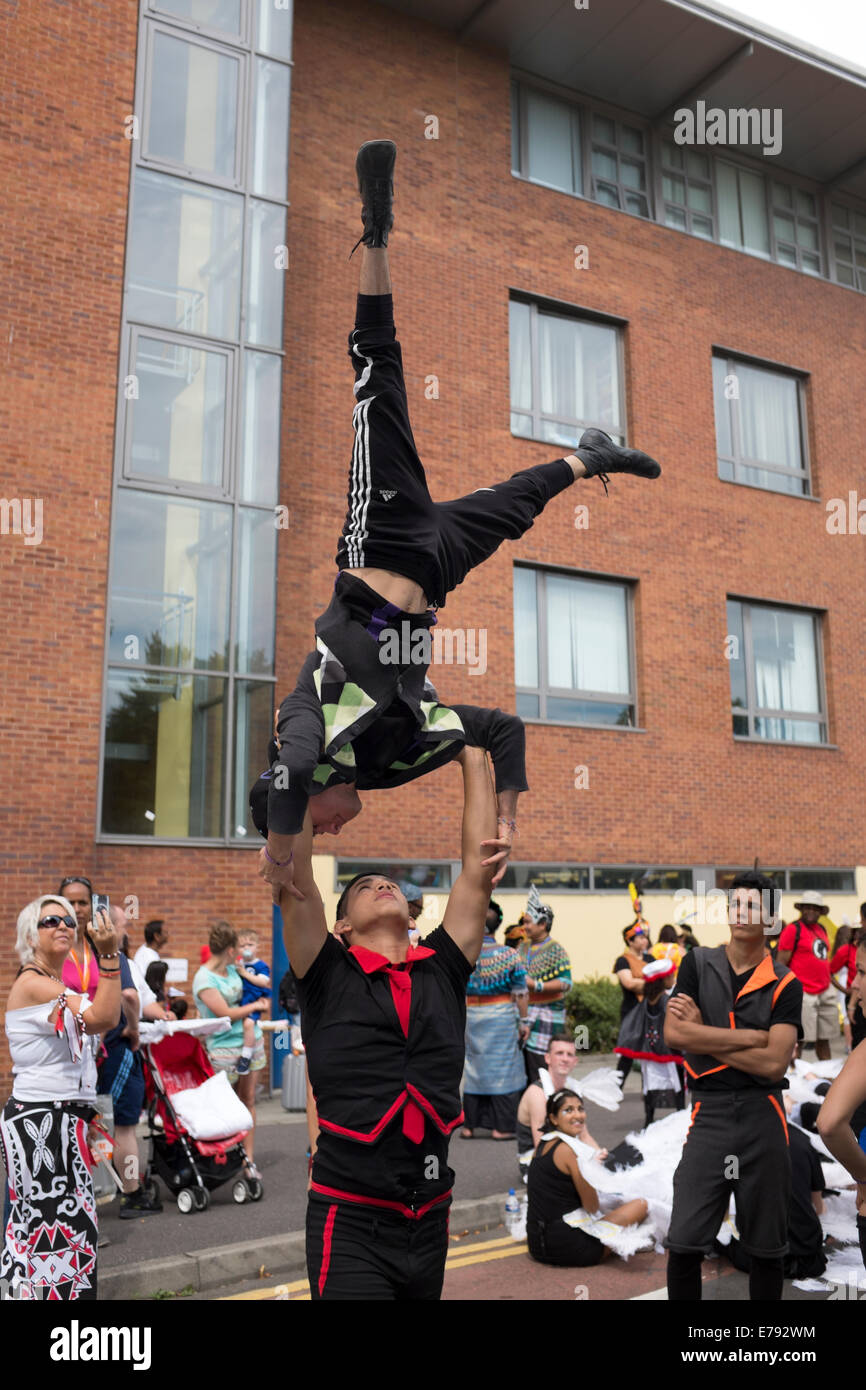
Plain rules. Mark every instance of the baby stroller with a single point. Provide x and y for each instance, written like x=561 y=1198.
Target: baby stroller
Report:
x=174 y=1061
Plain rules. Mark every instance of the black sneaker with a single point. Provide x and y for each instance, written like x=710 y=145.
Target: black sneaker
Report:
x=601 y=457
x=137 y=1204
x=375 y=169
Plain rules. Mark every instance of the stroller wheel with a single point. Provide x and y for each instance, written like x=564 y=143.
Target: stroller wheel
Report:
x=240 y=1191
x=256 y=1189
x=200 y=1198
x=185 y=1200
x=151 y=1191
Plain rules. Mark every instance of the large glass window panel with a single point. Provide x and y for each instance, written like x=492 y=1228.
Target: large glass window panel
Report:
x=587 y=711
x=169 y=590
x=266 y=274
x=587 y=625
x=548 y=878
x=275 y=28
x=736 y=654
x=786 y=664
x=519 y=355
x=192 y=108
x=729 y=204
x=184 y=256
x=525 y=628
x=257 y=569
x=756 y=236
x=578 y=370
x=163 y=770
x=222 y=15
x=551 y=126
x=769 y=416
x=260 y=443
x=254 y=720
x=177 y=427
x=271 y=130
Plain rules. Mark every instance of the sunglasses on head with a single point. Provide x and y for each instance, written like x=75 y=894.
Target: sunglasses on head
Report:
x=76 y=878
x=55 y=921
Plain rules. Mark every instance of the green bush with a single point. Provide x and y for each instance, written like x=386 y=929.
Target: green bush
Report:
x=595 y=1003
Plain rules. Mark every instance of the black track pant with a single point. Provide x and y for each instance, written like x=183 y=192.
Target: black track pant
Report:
x=367 y=1254
x=392 y=522
x=737 y=1141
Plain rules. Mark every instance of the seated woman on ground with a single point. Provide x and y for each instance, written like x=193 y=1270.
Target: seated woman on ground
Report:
x=556 y=1187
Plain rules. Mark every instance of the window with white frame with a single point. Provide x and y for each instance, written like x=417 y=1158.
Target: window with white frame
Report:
x=572 y=648
x=760 y=426
x=774 y=655
x=565 y=375
x=191 y=605
x=849 y=246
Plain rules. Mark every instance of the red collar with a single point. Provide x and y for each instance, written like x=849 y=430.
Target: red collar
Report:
x=371 y=961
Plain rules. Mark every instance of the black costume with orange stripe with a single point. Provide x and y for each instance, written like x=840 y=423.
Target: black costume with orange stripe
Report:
x=738 y=1138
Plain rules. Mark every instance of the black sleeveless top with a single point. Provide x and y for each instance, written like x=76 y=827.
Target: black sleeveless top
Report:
x=551 y=1193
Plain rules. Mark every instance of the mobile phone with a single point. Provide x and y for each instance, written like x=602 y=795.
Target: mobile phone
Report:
x=98 y=903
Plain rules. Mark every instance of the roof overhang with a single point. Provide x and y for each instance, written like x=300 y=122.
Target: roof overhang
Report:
x=652 y=57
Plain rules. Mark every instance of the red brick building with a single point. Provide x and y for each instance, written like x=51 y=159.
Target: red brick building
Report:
x=687 y=652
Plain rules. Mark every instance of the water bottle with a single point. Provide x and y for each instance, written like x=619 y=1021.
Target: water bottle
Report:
x=512 y=1212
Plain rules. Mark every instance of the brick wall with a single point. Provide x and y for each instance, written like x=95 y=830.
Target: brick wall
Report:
x=681 y=791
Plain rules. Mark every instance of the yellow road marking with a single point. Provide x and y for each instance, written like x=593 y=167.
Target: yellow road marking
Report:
x=459 y=1257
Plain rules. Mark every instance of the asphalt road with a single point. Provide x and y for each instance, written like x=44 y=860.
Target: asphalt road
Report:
x=483 y=1166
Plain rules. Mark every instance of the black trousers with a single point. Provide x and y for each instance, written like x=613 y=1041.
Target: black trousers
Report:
x=391 y=520
x=737 y=1141
x=361 y=1253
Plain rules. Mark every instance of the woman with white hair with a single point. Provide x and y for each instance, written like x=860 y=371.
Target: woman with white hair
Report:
x=50 y=1237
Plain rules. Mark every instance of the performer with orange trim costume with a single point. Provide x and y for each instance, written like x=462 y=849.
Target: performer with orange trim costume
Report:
x=735 y=1015
x=384 y=1031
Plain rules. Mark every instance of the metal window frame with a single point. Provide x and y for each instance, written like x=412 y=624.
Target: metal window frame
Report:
x=550 y=309
x=243 y=107
x=855 y=241
x=591 y=870
x=786 y=874
x=799 y=219
x=604 y=147
x=238 y=346
x=543 y=691
x=454 y=865
x=739 y=460
x=753 y=711
x=203 y=491
x=151 y=9
x=663 y=202
x=577 y=125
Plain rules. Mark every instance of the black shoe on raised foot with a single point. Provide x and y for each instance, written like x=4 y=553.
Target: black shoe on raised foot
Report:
x=140 y=1203
x=375 y=169
x=601 y=457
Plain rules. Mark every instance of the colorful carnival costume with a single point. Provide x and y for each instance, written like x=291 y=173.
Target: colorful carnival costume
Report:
x=545 y=961
x=494 y=1078
x=642 y=1038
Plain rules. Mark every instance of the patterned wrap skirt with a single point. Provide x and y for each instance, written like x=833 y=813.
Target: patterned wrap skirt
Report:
x=494 y=1062
x=49 y=1249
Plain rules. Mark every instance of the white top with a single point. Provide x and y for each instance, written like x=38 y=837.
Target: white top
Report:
x=47 y=1065
x=145 y=956
x=145 y=993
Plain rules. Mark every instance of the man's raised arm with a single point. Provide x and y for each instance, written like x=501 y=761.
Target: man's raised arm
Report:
x=304 y=926
x=467 y=904
x=504 y=737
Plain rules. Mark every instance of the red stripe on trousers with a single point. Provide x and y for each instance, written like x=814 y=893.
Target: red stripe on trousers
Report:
x=326 y=1247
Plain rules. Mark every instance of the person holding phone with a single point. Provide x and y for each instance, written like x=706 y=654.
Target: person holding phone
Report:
x=80 y=969
x=50 y=1237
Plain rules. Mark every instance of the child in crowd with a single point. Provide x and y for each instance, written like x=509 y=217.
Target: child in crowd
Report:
x=642 y=1038
x=256 y=976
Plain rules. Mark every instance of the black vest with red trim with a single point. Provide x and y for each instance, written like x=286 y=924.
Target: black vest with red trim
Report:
x=752 y=1008
x=363 y=1070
